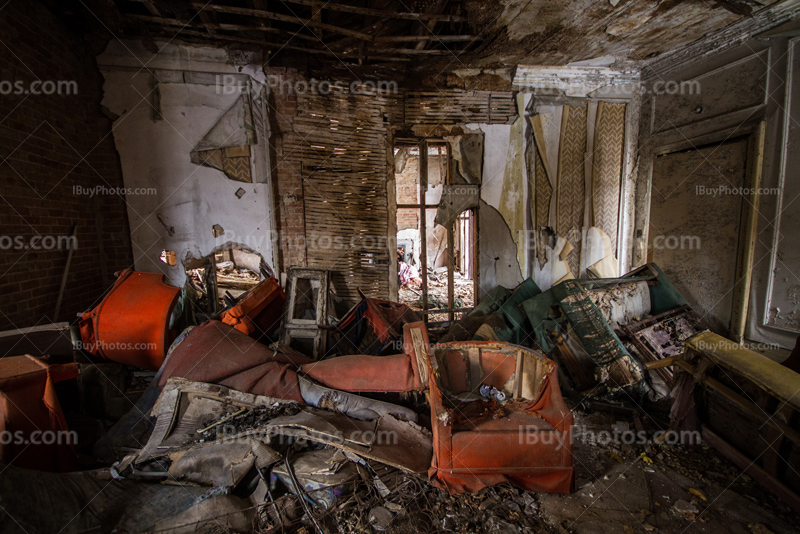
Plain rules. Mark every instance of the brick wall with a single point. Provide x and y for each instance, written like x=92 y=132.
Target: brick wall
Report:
x=408 y=193
x=51 y=146
x=289 y=182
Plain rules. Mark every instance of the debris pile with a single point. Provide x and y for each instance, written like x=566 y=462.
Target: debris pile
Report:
x=283 y=412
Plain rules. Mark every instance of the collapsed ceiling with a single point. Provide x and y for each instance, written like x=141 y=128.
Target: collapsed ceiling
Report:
x=420 y=40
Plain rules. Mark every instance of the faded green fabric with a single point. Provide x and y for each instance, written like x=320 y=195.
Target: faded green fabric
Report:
x=517 y=330
x=597 y=337
x=538 y=310
x=492 y=302
x=664 y=296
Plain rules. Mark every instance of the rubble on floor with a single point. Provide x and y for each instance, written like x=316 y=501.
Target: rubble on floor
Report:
x=463 y=288
x=234 y=426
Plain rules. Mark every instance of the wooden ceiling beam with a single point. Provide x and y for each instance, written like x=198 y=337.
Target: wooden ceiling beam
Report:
x=279 y=16
x=404 y=38
x=279 y=46
x=221 y=26
x=381 y=13
x=151 y=7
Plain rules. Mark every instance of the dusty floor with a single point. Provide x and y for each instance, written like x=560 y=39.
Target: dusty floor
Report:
x=680 y=490
x=684 y=489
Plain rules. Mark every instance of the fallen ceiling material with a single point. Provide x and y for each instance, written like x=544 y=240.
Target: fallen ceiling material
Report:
x=262 y=434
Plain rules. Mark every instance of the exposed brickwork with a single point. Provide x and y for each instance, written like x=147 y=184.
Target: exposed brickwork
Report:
x=50 y=145
x=289 y=183
x=408 y=193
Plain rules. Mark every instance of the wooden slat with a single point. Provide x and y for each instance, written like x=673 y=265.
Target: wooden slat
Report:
x=279 y=16
x=338 y=144
x=219 y=26
x=381 y=13
x=406 y=38
x=751 y=468
x=456 y=106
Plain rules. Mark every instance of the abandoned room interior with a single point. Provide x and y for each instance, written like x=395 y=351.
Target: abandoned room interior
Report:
x=355 y=266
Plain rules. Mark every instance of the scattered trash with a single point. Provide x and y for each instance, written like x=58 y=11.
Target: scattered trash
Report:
x=387 y=431
x=688 y=510
x=380 y=518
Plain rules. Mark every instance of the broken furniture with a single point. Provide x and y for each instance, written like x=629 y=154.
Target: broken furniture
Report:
x=131 y=324
x=523 y=436
x=748 y=410
x=307 y=313
x=372 y=325
x=603 y=331
x=184 y=407
x=258 y=312
x=567 y=308
x=663 y=336
x=29 y=408
x=517 y=325
x=216 y=353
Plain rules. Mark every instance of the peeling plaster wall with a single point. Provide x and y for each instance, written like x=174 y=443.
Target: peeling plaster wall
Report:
x=503 y=214
x=498 y=264
x=155 y=154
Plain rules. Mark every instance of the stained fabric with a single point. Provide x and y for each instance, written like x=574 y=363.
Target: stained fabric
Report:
x=386 y=318
x=362 y=373
x=217 y=353
x=528 y=444
x=29 y=408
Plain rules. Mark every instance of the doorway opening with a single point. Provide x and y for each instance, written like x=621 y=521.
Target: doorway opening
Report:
x=436 y=264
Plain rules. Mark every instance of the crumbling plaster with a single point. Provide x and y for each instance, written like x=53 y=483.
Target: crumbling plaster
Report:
x=189 y=199
x=504 y=188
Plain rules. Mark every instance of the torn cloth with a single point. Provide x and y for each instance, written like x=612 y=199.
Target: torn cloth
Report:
x=217 y=353
x=385 y=317
x=407 y=273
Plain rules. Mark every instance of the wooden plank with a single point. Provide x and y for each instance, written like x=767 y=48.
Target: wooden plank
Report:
x=405 y=38
x=744 y=271
x=420 y=353
x=666 y=362
x=450 y=274
x=423 y=232
x=751 y=468
x=218 y=26
x=66 y=272
x=380 y=13
x=417 y=206
x=476 y=257
x=151 y=7
x=742 y=403
x=267 y=44
x=284 y=18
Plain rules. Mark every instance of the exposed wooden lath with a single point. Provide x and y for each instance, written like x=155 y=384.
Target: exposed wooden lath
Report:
x=338 y=144
x=454 y=106
x=359 y=35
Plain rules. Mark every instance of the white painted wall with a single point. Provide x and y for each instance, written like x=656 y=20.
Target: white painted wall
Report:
x=156 y=154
